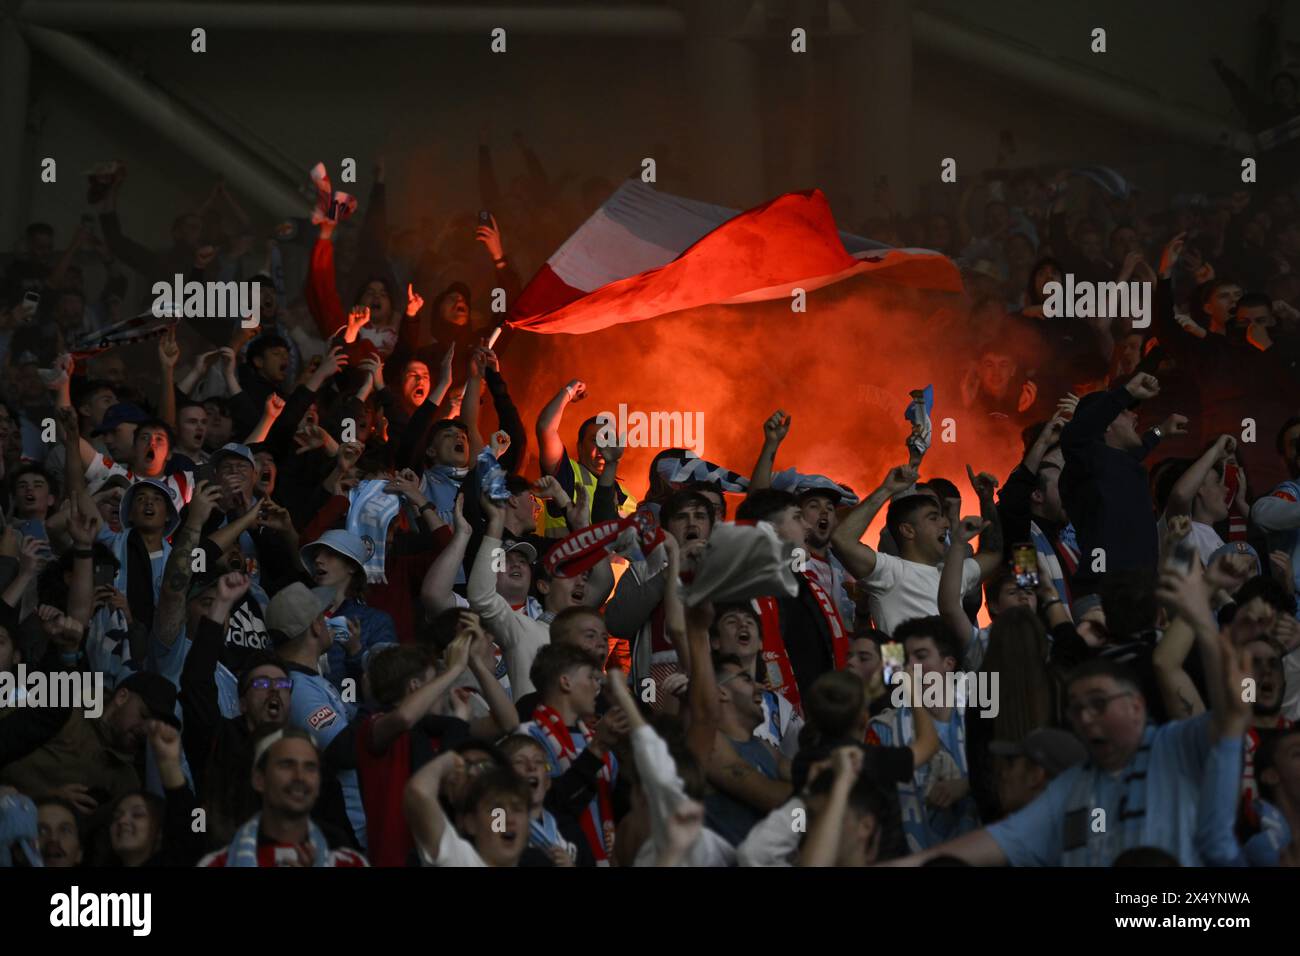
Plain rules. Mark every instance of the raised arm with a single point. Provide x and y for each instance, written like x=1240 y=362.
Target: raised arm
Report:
x=1051 y=433
x=703 y=706
x=1091 y=421
x=827 y=831
x=550 y=447
x=271 y=411
x=1187 y=596
x=436 y=591
x=169 y=354
x=1189 y=483
x=503 y=716
x=416 y=705
x=420 y=800
x=470 y=404
x=170 y=616
x=990 y=553
x=775 y=429
x=83 y=526
x=950 y=593
x=859 y=558
x=674 y=609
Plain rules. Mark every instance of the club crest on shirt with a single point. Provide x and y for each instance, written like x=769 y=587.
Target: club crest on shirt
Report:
x=322 y=718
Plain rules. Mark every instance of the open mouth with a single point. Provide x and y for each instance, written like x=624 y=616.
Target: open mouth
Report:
x=150 y=455
x=578 y=595
x=823 y=525
x=744 y=638
x=459 y=448
x=273 y=707
x=692 y=535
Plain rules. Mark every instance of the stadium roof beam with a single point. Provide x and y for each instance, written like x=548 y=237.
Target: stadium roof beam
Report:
x=638 y=21
x=170 y=121
x=1136 y=105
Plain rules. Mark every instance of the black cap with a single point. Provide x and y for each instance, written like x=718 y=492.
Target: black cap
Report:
x=159 y=695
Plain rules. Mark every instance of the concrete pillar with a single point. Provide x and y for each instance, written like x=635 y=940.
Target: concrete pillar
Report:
x=722 y=81
x=876 y=105
x=16 y=181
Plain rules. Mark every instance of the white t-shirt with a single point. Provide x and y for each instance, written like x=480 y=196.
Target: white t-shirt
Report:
x=1202 y=536
x=900 y=590
x=453 y=850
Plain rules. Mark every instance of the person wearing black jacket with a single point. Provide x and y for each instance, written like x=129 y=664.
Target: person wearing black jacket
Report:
x=1104 y=484
x=1030 y=507
x=220 y=749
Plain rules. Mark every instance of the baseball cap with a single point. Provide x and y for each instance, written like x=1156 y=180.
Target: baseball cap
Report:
x=294 y=609
x=1082 y=605
x=128 y=499
x=1053 y=750
x=120 y=414
x=835 y=495
x=158 y=692
x=1235 y=547
x=340 y=542
x=527 y=549
x=235 y=449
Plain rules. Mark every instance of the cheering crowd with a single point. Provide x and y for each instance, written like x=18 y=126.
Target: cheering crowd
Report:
x=337 y=621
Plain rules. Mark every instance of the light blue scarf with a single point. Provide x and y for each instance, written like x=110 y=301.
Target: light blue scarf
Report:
x=243 y=848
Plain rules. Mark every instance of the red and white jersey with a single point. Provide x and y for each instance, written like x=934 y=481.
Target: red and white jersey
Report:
x=286 y=854
x=180 y=485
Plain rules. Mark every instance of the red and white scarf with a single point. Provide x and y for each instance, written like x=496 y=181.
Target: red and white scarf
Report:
x=776 y=661
x=595 y=820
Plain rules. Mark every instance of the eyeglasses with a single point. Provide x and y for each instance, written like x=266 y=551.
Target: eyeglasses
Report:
x=1094 y=706
x=266 y=683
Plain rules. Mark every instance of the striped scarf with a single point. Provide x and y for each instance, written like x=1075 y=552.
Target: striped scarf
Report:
x=544 y=833
x=370 y=511
x=243 y=848
x=1083 y=844
x=598 y=814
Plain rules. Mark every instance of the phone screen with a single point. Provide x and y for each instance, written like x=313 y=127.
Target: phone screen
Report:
x=1024 y=564
x=484 y=217
x=104 y=575
x=34 y=528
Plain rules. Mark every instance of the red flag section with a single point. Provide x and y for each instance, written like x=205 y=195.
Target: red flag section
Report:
x=646 y=254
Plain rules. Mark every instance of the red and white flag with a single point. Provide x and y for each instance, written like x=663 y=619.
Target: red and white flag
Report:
x=645 y=253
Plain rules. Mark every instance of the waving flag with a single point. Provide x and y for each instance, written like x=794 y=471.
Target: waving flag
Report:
x=646 y=253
